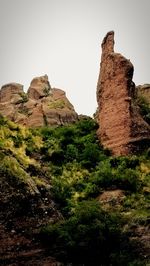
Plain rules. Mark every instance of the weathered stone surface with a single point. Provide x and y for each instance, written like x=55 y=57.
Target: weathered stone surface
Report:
x=41 y=106
x=114 y=197
x=122 y=129
x=36 y=116
x=11 y=93
x=39 y=88
x=57 y=108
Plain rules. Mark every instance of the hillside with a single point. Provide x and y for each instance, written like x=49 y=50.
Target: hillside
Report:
x=76 y=192
x=65 y=198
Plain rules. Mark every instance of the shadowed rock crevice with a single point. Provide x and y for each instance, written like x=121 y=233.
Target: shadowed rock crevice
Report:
x=121 y=125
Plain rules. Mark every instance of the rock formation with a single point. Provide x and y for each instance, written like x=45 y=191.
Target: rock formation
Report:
x=121 y=128
x=40 y=106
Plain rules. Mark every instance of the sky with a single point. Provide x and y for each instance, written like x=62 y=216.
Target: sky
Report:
x=62 y=38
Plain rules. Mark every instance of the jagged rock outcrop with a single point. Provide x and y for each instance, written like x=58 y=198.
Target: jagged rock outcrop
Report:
x=122 y=128
x=39 y=87
x=41 y=105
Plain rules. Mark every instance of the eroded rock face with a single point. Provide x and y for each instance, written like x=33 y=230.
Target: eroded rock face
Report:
x=11 y=93
x=122 y=129
x=40 y=106
x=39 y=87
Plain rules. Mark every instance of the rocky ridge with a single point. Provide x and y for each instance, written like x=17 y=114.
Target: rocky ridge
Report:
x=41 y=105
x=121 y=127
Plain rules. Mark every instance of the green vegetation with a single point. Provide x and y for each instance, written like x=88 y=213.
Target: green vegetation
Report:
x=89 y=237
x=57 y=104
x=24 y=98
x=46 y=90
x=15 y=164
x=71 y=159
x=144 y=108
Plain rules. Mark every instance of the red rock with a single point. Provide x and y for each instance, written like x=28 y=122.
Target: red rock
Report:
x=41 y=106
x=39 y=88
x=11 y=93
x=122 y=129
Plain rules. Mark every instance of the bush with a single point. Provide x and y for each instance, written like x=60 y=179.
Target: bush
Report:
x=125 y=162
x=10 y=168
x=144 y=108
x=62 y=191
x=90 y=155
x=71 y=153
x=128 y=180
x=105 y=177
x=89 y=237
x=18 y=140
x=77 y=142
x=3 y=121
x=86 y=126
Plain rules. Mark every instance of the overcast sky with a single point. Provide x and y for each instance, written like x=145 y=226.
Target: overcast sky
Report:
x=62 y=38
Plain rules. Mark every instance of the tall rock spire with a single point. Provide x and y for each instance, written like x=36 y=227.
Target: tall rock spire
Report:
x=122 y=129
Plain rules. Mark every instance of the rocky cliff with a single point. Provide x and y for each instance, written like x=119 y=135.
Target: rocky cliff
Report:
x=122 y=128
x=41 y=105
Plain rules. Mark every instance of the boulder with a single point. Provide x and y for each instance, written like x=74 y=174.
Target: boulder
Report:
x=39 y=87
x=11 y=93
x=112 y=197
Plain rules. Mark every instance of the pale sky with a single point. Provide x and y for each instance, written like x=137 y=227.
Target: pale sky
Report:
x=62 y=38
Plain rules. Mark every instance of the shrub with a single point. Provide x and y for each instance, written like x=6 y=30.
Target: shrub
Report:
x=46 y=90
x=10 y=167
x=61 y=190
x=71 y=153
x=127 y=179
x=3 y=121
x=89 y=237
x=108 y=178
x=125 y=162
x=24 y=97
x=18 y=140
x=144 y=108
x=57 y=104
x=86 y=126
